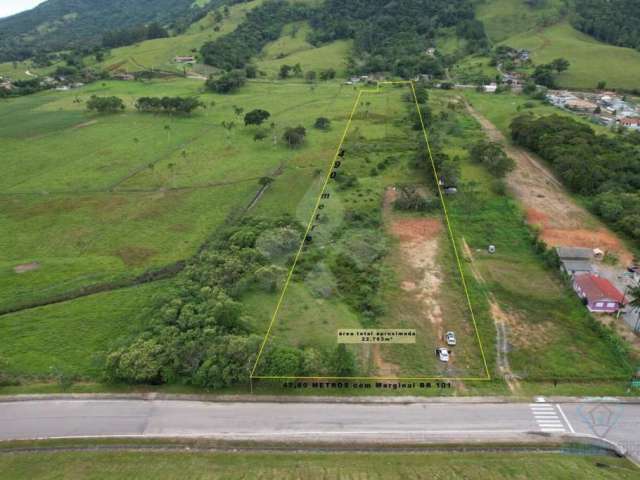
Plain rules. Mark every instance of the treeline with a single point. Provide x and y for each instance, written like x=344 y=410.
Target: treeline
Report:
x=202 y=336
x=391 y=36
x=612 y=21
x=262 y=25
x=129 y=36
x=604 y=169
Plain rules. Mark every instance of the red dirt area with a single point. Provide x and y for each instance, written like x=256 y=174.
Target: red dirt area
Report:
x=578 y=237
x=416 y=229
x=601 y=239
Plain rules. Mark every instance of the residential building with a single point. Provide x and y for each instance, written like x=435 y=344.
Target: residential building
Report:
x=575 y=260
x=598 y=294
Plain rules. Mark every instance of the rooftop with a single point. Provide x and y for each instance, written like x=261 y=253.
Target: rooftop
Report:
x=598 y=288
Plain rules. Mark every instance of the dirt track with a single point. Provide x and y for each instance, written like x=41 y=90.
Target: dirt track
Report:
x=548 y=205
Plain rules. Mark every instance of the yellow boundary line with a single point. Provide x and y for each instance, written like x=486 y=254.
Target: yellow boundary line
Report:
x=308 y=229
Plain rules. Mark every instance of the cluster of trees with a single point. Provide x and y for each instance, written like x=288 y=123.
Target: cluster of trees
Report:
x=602 y=168
x=228 y=82
x=105 y=104
x=263 y=24
x=170 y=105
x=545 y=74
x=201 y=335
x=492 y=157
x=131 y=35
x=294 y=136
x=611 y=21
x=393 y=37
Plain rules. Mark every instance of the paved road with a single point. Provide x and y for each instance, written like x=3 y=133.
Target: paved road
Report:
x=316 y=421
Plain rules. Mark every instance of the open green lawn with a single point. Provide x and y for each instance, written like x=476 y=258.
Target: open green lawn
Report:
x=311 y=466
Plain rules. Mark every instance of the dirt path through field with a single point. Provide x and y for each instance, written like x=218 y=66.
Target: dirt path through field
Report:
x=548 y=205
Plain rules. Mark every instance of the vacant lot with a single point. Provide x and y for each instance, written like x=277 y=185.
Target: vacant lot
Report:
x=310 y=466
x=409 y=272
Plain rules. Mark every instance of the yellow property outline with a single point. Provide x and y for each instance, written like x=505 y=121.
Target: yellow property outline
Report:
x=310 y=224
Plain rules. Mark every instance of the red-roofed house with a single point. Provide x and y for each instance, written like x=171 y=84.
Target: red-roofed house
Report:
x=598 y=294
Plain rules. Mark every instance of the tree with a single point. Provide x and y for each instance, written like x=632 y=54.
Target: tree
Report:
x=322 y=123
x=311 y=76
x=493 y=157
x=601 y=85
x=256 y=117
x=327 y=74
x=294 y=136
x=105 y=104
x=227 y=83
x=560 y=64
x=285 y=70
x=342 y=362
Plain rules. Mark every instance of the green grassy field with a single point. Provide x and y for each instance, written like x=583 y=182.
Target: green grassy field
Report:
x=73 y=338
x=501 y=109
x=310 y=466
x=94 y=199
x=292 y=48
x=506 y=18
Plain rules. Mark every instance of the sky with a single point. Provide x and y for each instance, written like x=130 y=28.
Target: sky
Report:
x=10 y=7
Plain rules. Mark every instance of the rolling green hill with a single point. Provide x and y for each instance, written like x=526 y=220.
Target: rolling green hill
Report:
x=63 y=24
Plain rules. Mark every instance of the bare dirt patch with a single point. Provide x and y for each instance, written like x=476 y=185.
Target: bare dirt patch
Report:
x=26 y=267
x=85 y=124
x=548 y=205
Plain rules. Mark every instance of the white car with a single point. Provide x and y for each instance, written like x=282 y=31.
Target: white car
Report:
x=451 y=339
x=442 y=354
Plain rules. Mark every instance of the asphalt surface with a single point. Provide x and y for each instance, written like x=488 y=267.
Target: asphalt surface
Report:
x=318 y=421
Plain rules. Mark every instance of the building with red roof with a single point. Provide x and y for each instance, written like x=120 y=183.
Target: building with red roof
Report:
x=598 y=294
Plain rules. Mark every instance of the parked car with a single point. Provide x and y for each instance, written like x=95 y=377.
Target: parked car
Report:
x=442 y=354
x=451 y=339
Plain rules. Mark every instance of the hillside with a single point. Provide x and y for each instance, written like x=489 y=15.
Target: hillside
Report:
x=612 y=21
x=63 y=24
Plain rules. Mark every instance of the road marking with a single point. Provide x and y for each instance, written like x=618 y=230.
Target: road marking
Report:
x=565 y=418
x=546 y=417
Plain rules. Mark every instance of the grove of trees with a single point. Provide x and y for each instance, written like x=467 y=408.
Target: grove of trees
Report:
x=105 y=104
x=169 y=105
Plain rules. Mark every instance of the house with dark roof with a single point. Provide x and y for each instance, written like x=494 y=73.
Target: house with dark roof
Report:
x=598 y=294
x=575 y=260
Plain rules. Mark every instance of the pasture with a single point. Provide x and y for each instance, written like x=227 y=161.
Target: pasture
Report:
x=93 y=198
